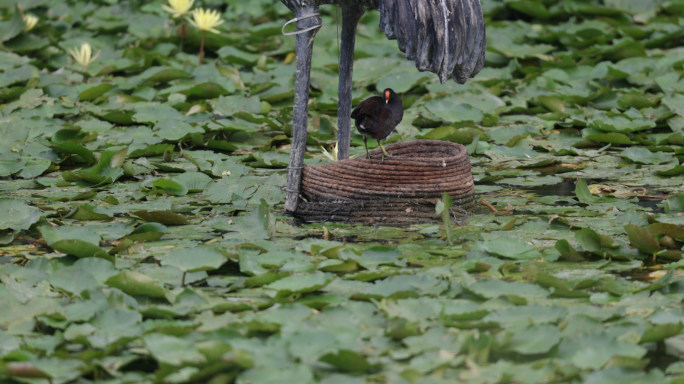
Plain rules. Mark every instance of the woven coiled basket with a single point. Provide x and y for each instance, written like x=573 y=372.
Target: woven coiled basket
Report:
x=399 y=191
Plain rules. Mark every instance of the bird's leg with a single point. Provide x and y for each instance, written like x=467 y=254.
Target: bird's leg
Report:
x=365 y=144
x=384 y=153
x=304 y=51
x=351 y=13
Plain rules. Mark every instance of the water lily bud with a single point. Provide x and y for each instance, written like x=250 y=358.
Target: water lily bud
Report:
x=265 y=108
x=261 y=63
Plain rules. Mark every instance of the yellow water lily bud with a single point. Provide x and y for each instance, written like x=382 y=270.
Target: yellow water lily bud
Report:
x=30 y=21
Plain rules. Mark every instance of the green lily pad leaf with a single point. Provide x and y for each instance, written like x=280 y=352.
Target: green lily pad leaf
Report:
x=594 y=355
x=644 y=156
x=641 y=239
x=516 y=316
x=172 y=350
x=205 y=91
x=293 y=373
x=94 y=126
x=534 y=339
x=588 y=239
x=347 y=360
x=584 y=196
x=164 y=75
x=568 y=252
x=61 y=369
x=136 y=284
x=554 y=104
x=229 y=105
x=95 y=92
x=162 y=217
x=492 y=288
x=299 y=284
x=674 y=171
x=560 y=288
x=509 y=248
x=170 y=187
x=674 y=231
x=402 y=81
x=145 y=232
x=53 y=235
x=619 y=122
x=455 y=135
x=10 y=164
x=234 y=55
x=674 y=204
x=80 y=248
x=660 y=332
x=195 y=259
x=73 y=280
x=34 y=167
x=193 y=181
x=76 y=149
x=449 y=111
x=11 y=28
x=89 y=212
x=17 y=215
x=100 y=269
x=175 y=130
x=107 y=170
x=611 y=138
x=377 y=256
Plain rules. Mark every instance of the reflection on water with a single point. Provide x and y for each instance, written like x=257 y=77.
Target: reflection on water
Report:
x=567 y=188
x=564 y=188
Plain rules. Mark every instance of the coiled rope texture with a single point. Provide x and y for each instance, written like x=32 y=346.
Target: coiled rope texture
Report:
x=401 y=190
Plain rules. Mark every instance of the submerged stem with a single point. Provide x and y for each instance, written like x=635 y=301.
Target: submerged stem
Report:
x=182 y=33
x=201 y=53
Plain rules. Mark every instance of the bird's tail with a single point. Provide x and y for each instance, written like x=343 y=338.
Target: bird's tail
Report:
x=446 y=37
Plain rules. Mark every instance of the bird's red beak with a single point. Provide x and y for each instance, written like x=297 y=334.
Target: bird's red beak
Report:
x=387 y=97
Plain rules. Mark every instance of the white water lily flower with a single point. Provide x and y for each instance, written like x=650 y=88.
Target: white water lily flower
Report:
x=83 y=55
x=30 y=21
x=332 y=156
x=178 y=8
x=206 y=20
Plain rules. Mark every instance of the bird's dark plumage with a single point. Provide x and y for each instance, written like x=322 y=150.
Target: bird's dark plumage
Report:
x=376 y=117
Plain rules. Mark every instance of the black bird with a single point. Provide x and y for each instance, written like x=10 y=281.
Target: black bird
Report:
x=376 y=117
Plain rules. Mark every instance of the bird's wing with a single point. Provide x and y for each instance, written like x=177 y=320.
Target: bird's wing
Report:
x=368 y=106
x=446 y=37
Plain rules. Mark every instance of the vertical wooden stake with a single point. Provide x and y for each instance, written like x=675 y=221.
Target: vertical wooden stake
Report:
x=350 y=19
x=304 y=52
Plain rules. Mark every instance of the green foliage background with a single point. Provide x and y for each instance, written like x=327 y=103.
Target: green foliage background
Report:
x=143 y=239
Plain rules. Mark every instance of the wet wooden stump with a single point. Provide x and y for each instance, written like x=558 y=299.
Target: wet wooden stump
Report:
x=400 y=191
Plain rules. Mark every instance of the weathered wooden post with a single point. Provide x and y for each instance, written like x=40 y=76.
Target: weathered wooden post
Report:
x=351 y=13
x=306 y=13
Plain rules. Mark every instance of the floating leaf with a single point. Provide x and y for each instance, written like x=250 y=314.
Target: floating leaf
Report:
x=195 y=259
x=15 y=214
x=162 y=217
x=136 y=284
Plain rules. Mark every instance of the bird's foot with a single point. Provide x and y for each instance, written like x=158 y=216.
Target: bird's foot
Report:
x=385 y=154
